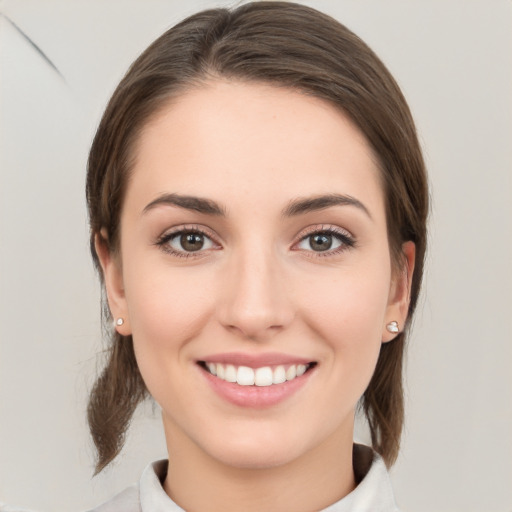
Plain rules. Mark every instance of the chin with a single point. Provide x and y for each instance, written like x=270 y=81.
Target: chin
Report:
x=255 y=450
x=256 y=458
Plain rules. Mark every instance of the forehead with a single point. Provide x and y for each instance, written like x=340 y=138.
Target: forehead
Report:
x=242 y=140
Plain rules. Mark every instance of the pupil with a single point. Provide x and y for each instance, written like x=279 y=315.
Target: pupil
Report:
x=192 y=241
x=321 y=242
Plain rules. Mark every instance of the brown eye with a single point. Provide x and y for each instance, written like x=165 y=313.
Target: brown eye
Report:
x=191 y=241
x=320 y=242
x=327 y=241
x=185 y=242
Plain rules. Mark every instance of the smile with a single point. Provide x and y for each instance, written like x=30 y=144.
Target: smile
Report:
x=262 y=376
x=256 y=380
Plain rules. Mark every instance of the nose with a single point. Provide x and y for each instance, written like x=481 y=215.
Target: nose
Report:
x=255 y=303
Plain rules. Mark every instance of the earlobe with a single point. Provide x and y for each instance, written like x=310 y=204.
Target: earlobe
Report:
x=400 y=294
x=113 y=279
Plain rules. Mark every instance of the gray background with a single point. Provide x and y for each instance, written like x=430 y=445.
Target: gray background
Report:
x=453 y=59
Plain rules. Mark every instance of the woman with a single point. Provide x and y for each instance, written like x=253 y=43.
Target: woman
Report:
x=258 y=202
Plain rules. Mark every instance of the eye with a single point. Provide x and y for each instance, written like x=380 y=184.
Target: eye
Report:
x=329 y=241
x=190 y=242
x=186 y=242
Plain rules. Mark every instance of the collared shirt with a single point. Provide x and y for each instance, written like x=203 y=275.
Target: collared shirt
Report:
x=372 y=494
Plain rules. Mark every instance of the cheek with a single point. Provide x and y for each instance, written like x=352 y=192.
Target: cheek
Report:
x=167 y=309
x=348 y=313
x=163 y=309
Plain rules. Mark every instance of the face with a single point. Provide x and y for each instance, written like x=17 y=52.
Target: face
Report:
x=254 y=272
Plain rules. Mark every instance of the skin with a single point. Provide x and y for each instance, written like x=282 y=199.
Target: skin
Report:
x=257 y=287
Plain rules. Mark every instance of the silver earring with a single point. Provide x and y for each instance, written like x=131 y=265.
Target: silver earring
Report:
x=393 y=327
x=120 y=321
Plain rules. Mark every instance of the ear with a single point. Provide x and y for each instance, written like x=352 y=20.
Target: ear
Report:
x=113 y=277
x=400 y=293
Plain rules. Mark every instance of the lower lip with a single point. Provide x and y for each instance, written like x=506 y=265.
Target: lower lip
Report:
x=256 y=396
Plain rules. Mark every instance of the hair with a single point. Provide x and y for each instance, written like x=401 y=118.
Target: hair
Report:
x=286 y=45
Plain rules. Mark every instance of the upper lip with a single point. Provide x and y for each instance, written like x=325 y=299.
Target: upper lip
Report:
x=255 y=360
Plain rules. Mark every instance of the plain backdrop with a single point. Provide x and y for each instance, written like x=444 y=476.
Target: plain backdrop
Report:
x=453 y=59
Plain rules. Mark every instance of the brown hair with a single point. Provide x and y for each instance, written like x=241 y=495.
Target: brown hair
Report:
x=287 y=45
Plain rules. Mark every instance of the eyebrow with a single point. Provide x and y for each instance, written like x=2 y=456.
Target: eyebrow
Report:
x=294 y=208
x=312 y=204
x=197 y=204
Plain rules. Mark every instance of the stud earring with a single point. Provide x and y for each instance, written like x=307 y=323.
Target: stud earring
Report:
x=120 y=321
x=393 y=327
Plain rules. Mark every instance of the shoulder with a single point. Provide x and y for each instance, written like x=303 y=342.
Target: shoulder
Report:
x=373 y=492
x=374 y=486
x=147 y=495
x=126 y=501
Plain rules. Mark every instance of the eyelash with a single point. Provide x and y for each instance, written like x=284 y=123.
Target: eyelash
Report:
x=347 y=241
x=163 y=241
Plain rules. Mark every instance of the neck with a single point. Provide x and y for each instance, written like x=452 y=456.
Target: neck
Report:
x=319 y=478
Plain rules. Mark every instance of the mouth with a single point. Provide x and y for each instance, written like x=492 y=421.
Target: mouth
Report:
x=263 y=376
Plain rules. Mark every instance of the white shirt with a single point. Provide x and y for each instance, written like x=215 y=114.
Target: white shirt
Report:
x=372 y=494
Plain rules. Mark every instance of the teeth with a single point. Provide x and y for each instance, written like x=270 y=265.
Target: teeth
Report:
x=212 y=367
x=291 y=373
x=264 y=376
x=245 y=376
x=279 y=375
x=230 y=374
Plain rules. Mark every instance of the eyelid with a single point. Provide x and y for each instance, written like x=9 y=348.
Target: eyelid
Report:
x=192 y=228
x=348 y=240
x=323 y=228
x=163 y=240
